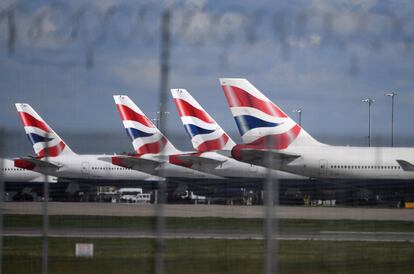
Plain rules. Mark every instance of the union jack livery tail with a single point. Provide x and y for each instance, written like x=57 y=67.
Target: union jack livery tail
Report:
x=45 y=141
x=205 y=133
x=258 y=118
x=145 y=136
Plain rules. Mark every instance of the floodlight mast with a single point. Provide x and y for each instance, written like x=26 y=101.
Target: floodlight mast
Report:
x=299 y=112
x=369 y=101
x=392 y=95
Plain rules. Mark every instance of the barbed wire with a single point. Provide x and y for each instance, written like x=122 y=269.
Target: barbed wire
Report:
x=88 y=26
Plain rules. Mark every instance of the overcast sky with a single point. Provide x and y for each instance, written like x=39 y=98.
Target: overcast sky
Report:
x=67 y=60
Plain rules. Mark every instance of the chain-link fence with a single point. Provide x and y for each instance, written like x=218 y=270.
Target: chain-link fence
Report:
x=82 y=198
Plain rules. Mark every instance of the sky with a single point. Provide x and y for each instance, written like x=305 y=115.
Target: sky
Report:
x=68 y=59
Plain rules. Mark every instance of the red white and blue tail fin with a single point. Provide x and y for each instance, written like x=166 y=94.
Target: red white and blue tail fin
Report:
x=45 y=141
x=145 y=136
x=258 y=118
x=205 y=133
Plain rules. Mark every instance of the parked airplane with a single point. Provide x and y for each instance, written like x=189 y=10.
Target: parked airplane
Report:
x=10 y=173
x=212 y=143
x=155 y=154
x=265 y=128
x=55 y=158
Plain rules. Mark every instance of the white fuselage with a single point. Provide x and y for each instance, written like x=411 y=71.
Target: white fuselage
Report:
x=343 y=162
x=231 y=168
x=91 y=167
x=10 y=173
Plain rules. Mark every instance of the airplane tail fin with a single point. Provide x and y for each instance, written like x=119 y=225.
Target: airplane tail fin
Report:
x=257 y=118
x=44 y=139
x=205 y=133
x=145 y=136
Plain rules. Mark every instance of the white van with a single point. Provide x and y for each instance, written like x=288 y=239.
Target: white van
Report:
x=133 y=195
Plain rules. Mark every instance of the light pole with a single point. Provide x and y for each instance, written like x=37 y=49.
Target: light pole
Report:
x=392 y=95
x=157 y=118
x=299 y=112
x=369 y=101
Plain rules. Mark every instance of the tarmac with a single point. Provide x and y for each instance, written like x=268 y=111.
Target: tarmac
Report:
x=217 y=234
x=218 y=211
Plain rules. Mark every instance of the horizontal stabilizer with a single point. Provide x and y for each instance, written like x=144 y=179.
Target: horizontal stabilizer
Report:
x=199 y=160
x=134 y=162
x=259 y=157
x=406 y=166
x=31 y=162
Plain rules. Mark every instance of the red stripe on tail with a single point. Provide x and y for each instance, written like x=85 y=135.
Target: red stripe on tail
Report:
x=30 y=121
x=237 y=97
x=186 y=109
x=215 y=144
x=279 y=141
x=52 y=151
x=152 y=148
x=129 y=114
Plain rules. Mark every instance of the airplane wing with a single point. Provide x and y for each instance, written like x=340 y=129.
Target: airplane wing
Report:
x=259 y=157
x=31 y=162
x=199 y=160
x=406 y=166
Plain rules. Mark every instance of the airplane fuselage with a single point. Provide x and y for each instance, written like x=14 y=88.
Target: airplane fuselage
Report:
x=343 y=162
x=90 y=167
x=10 y=173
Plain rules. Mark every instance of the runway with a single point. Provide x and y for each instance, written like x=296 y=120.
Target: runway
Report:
x=215 y=211
x=213 y=234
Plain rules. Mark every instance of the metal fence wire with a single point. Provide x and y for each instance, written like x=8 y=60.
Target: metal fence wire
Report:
x=104 y=206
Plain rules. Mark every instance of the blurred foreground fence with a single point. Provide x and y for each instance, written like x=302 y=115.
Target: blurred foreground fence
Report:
x=89 y=26
x=253 y=226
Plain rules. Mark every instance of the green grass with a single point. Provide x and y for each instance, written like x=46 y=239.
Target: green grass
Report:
x=23 y=255
x=286 y=225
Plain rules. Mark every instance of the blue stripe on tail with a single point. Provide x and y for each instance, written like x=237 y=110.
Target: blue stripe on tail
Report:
x=194 y=130
x=134 y=133
x=247 y=122
x=35 y=138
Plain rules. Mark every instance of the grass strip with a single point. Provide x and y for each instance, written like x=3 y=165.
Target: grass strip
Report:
x=23 y=255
